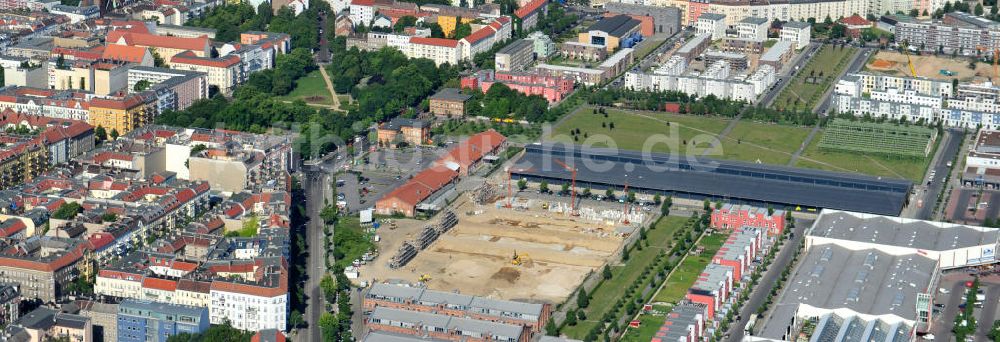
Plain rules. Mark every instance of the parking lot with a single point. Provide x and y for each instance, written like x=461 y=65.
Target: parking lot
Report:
x=383 y=171
x=947 y=305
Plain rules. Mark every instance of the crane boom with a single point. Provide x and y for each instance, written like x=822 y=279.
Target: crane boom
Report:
x=913 y=71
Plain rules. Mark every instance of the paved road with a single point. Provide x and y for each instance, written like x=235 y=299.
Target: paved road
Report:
x=951 y=143
x=786 y=75
x=859 y=61
x=314 y=183
x=767 y=281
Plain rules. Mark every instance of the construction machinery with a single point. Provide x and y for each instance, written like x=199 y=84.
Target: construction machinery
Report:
x=519 y=259
x=572 y=189
x=424 y=278
x=906 y=51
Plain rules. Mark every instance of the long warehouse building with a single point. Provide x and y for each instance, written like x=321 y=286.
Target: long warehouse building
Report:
x=730 y=181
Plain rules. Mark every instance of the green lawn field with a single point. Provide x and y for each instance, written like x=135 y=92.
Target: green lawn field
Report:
x=870 y=164
x=310 y=88
x=826 y=65
x=684 y=276
x=649 y=324
x=634 y=129
x=767 y=143
x=604 y=297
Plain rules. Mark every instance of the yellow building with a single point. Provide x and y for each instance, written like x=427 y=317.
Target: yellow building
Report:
x=122 y=114
x=448 y=23
x=22 y=162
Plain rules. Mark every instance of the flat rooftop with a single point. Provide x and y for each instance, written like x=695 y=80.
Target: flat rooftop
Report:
x=865 y=281
x=900 y=232
x=706 y=177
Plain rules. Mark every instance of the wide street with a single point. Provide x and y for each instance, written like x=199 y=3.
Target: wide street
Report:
x=759 y=294
x=923 y=203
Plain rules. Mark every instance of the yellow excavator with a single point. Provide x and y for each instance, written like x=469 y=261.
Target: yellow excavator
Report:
x=424 y=278
x=906 y=50
x=519 y=259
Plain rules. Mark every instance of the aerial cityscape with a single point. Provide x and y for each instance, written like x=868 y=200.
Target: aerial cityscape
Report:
x=499 y=170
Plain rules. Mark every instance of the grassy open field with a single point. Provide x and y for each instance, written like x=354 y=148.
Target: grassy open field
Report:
x=871 y=164
x=768 y=143
x=311 y=89
x=634 y=129
x=825 y=66
x=685 y=274
x=748 y=141
x=604 y=297
x=650 y=324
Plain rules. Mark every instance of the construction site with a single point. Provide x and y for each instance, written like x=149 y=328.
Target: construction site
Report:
x=930 y=66
x=525 y=246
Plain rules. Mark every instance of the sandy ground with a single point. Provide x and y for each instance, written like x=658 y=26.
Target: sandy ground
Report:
x=475 y=256
x=894 y=63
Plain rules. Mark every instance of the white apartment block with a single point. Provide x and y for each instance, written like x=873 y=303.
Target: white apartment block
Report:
x=912 y=99
x=362 y=12
x=248 y=311
x=752 y=28
x=797 y=32
x=713 y=24
x=715 y=80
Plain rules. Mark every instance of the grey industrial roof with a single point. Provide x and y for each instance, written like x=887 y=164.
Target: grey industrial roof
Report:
x=712 y=16
x=450 y=94
x=716 y=178
x=712 y=277
x=395 y=291
x=754 y=20
x=397 y=315
x=507 y=306
x=420 y=294
x=866 y=281
x=381 y=336
x=796 y=24
x=615 y=26
x=547 y=338
x=466 y=325
x=835 y=328
x=894 y=231
x=397 y=123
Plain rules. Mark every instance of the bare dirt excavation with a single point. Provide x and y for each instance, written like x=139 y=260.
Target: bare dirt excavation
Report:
x=555 y=251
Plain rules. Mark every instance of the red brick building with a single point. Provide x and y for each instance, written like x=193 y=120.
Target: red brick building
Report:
x=736 y=216
x=552 y=88
x=405 y=198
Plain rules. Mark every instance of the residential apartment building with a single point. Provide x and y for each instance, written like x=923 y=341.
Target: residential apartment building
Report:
x=516 y=56
x=122 y=114
x=530 y=12
x=797 y=32
x=43 y=267
x=144 y=321
x=715 y=80
x=165 y=46
x=959 y=33
x=552 y=88
x=753 y=29
x=175 y=89
x=713 y=288
x=223 y=73
x=712 y=24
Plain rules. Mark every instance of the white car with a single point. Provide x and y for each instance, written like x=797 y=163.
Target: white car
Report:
x=929 y=337
x=943 y=290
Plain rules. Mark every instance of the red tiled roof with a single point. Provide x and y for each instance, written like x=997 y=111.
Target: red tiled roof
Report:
x=529 y=8
x=480 y=34
x=363 y=2
x=434 y=41
x=422 y=185
x=473 y=149
x=854 y=20
x=151 y=40
x=131 y=54
x=159 y=284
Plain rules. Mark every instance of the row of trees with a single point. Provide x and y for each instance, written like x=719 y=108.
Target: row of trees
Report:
x=231 y=20
x=647 y=100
